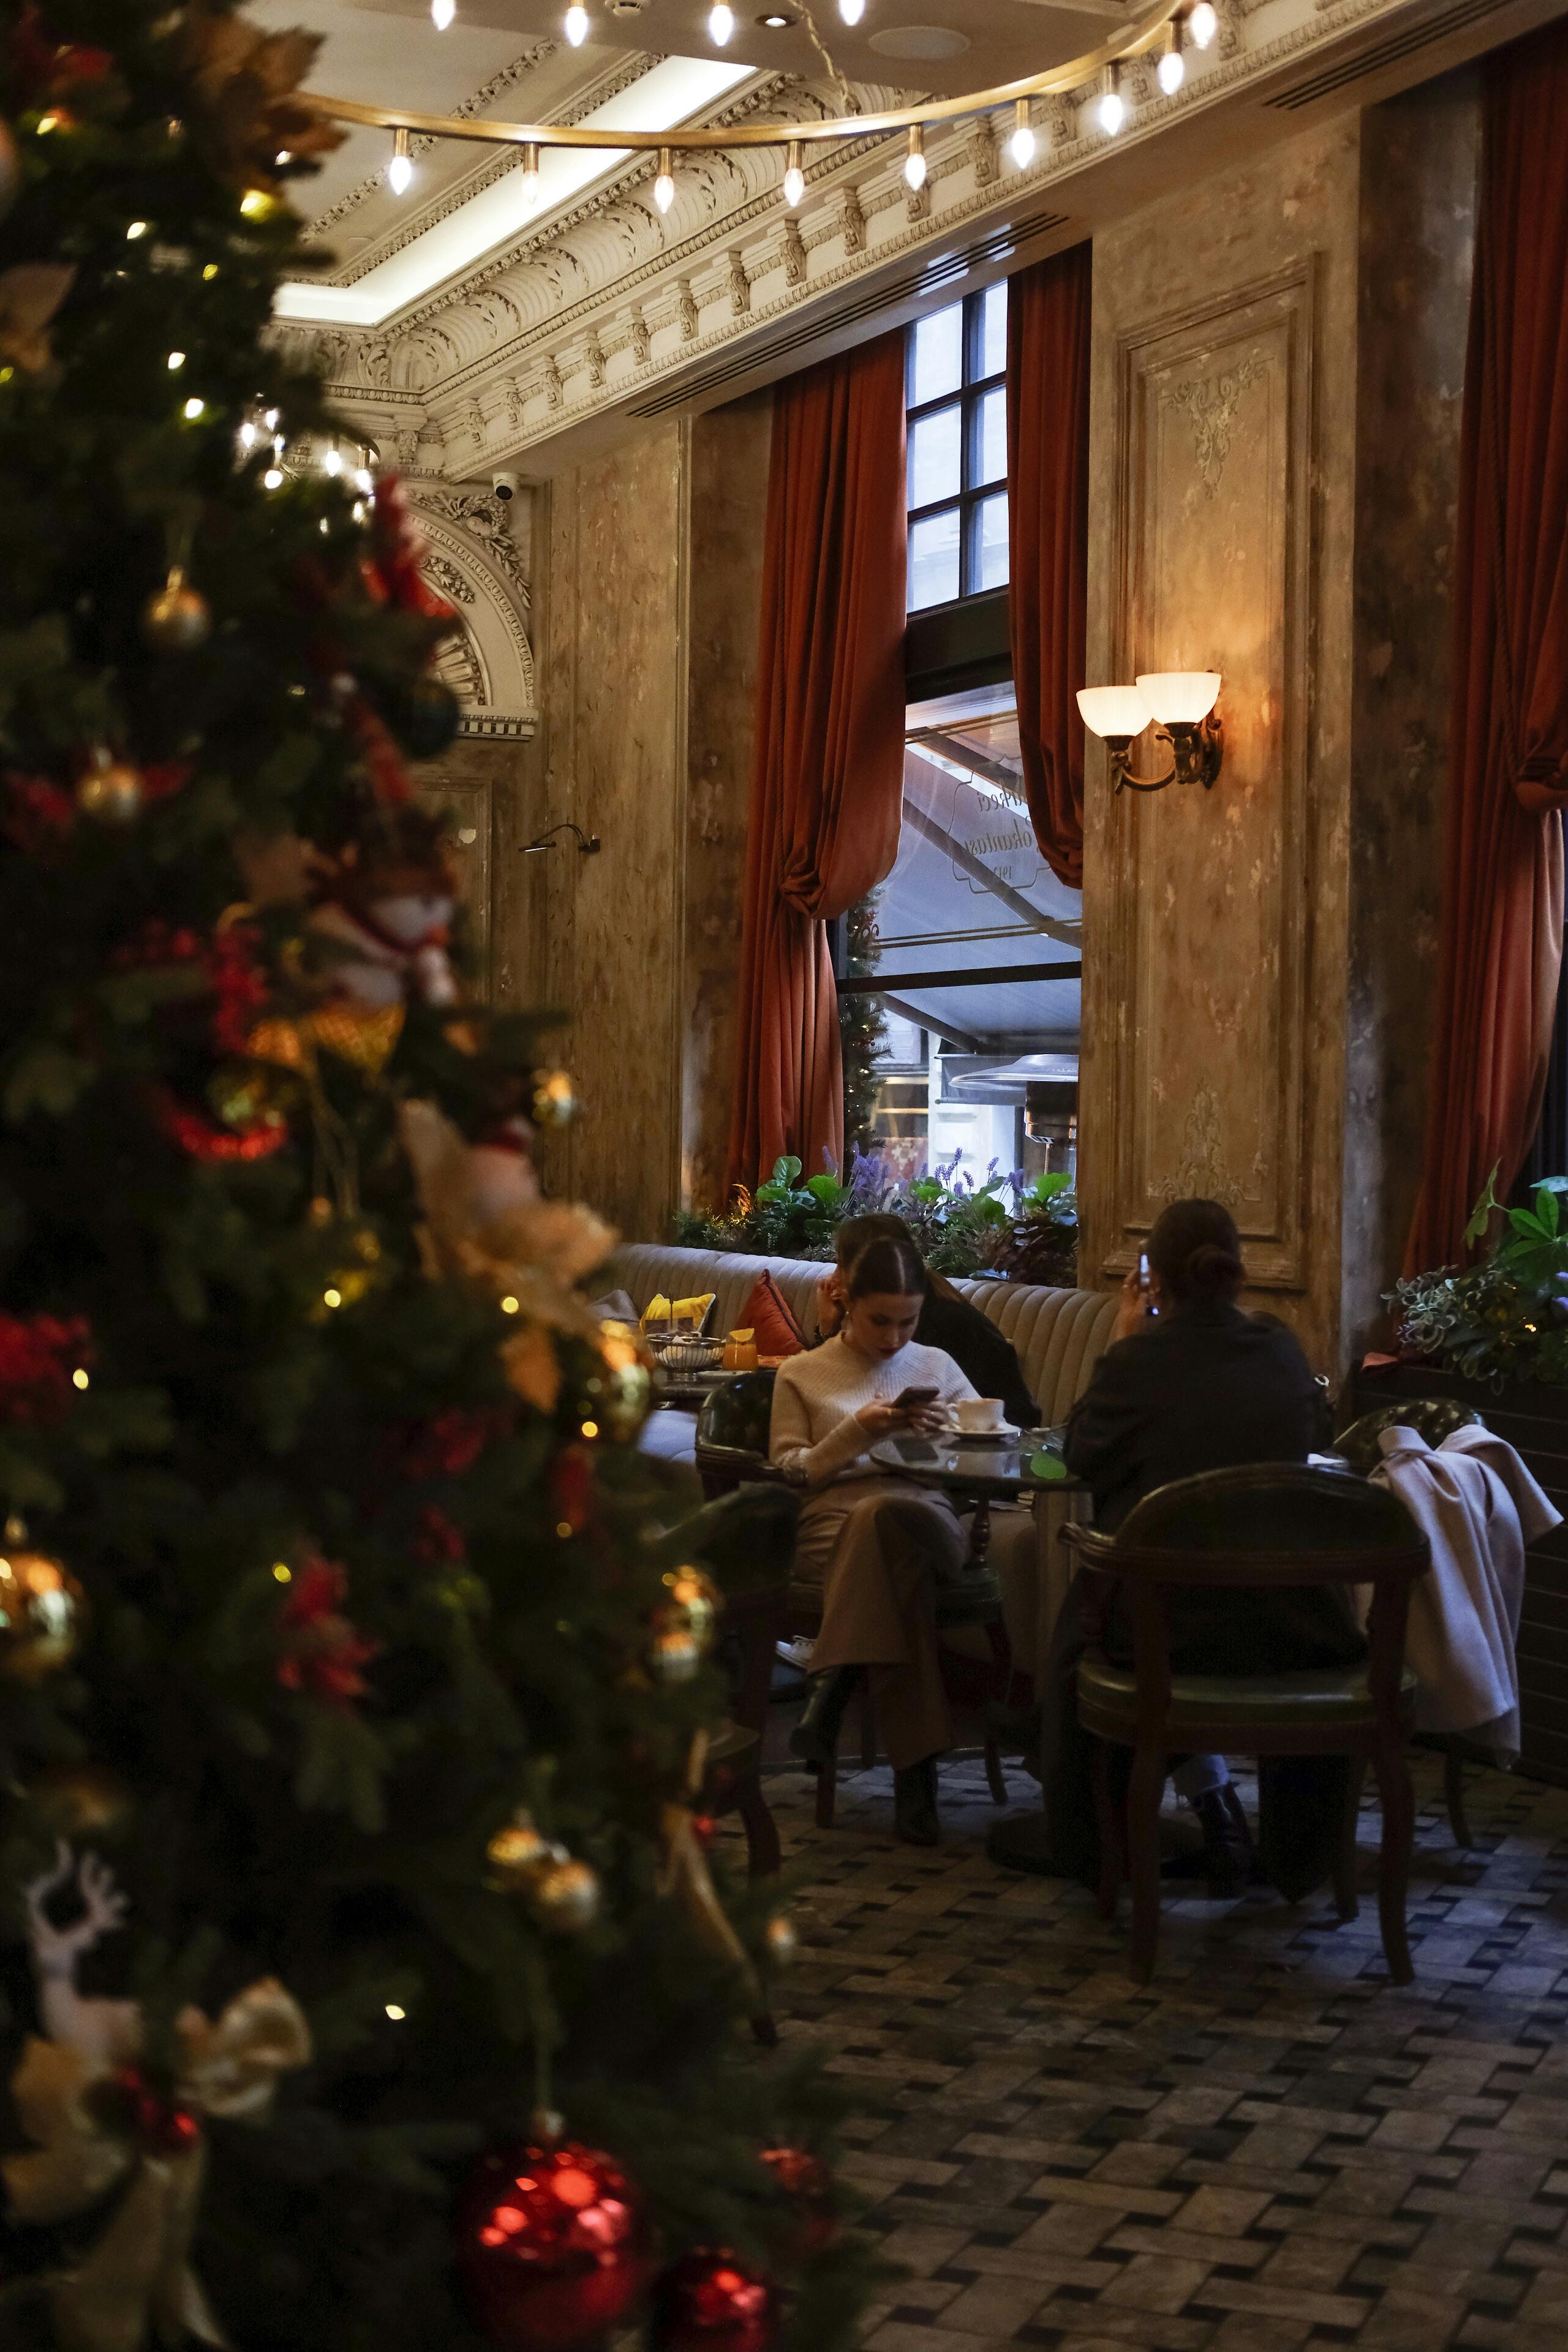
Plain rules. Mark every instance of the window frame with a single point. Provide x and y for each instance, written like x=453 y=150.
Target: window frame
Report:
x=969 y=400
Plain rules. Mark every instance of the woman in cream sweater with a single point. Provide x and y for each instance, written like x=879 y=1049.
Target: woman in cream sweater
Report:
x=880 y=1545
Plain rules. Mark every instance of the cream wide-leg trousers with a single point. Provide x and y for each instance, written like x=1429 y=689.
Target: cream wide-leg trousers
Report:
x=878 y=1544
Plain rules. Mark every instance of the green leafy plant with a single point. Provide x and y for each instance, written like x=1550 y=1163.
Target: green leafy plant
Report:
x=1506 y=1318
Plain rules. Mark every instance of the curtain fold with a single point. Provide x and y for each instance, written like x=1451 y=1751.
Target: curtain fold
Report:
x=1048 y=321
x=1501 y=942
x=827 y=779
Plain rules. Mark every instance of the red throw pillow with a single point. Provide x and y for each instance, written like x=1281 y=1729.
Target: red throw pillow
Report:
x=766 y=1313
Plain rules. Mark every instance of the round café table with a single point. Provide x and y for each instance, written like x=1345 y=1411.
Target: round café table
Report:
x=991 y=1471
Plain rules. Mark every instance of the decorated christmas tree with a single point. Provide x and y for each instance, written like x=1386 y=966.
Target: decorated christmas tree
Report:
x=365 y=1978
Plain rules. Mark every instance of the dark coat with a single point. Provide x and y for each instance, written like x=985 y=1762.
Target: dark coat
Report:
x=1203 y=1388
x=987 y=1360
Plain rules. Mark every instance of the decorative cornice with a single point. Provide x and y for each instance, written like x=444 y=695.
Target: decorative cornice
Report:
x=608 y=300
x=537 y=54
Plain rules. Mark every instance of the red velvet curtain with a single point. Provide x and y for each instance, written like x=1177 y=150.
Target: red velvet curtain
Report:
x=828 y=783
x=1502 y=920
x=1048 y=514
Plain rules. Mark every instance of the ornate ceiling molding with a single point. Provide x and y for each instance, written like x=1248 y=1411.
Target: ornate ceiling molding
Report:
x=610 y=299
x=472 y=560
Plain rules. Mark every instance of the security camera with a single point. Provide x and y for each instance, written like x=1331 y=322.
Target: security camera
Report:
x=506 y=487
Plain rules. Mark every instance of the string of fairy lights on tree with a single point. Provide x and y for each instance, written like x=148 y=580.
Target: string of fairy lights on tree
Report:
x=1168 y=30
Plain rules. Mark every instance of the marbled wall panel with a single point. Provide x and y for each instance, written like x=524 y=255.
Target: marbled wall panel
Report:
x=1419 y=159
x=613 y=702
x=1215 y=923
x=727 y=487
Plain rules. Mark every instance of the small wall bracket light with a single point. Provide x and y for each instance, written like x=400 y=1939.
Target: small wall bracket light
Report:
x=588 y=844
x=1180 y=703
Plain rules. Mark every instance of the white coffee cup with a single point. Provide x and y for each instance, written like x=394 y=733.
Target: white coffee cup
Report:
x=975 y=1416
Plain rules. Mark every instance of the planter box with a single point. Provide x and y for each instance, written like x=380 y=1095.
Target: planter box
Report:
x=1535 y=1421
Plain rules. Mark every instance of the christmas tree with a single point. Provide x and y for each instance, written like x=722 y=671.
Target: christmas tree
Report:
x=365 y=1982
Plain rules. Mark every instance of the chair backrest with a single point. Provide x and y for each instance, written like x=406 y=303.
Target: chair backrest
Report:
x=1433 y=1418
x=1267 y=1523
x=736 y=1416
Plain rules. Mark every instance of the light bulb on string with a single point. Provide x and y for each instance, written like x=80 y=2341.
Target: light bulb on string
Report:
x=1111 y=111
x=720 y=23
x=400 y=171
x=272 y=479
x=1203 y=24
x=1021 y=146
x=365 y=481
x=576 y=25
x=442 y=13
x=332 y=462
x=915 y=161
x=530 y=175
x=664 y=182
x=851 y=11
x=1172 y=68
x=793 y=178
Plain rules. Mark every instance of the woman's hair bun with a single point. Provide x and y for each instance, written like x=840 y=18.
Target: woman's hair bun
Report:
x=1195 y=1250
x=1211 y=1268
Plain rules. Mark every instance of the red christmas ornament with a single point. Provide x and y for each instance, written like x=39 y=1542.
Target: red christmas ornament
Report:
x=38 y=1355
x=552 y=2245
x=806 y=2178
x=710 y=2301
x=160 y=2127
x=322 y=1651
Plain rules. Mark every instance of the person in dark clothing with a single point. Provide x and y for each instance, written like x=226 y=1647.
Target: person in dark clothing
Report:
x=948 y=1322
x=1191 y=1384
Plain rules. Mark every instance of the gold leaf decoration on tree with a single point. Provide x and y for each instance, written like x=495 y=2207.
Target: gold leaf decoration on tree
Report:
x=30 y=294
x=248 y=83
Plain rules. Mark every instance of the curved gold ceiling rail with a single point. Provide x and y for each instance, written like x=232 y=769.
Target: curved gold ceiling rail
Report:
x=1139 y=35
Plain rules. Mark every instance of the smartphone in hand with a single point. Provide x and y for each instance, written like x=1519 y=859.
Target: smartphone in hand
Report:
x=1143 y=1280
x=913 y=1398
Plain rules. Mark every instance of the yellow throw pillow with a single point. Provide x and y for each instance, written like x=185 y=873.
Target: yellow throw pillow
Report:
x=693 y=1311
x=656 y=1311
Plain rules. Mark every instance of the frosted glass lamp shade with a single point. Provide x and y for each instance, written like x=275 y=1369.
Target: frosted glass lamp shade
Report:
x=1180 y=698
x=1115 y=712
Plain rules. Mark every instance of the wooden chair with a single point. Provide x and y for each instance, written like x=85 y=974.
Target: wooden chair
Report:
x=1272 y=1525
x=733 y=1451
x=1433 y=1418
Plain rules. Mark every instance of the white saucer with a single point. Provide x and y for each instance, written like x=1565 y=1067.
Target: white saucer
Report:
x=1005 y=1435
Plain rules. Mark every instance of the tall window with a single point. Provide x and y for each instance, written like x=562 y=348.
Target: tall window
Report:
x=958 y=450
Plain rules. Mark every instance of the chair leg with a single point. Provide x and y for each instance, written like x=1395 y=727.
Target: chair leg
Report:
x=1001 y=1668
x=1346 y=1897
x=1112 y=1869
x=826 y=1789
x=867 y=1728
x=764 y=1857
x=1398 y=1801
x=1454 y=1791
x=994 y=1778
x=1143 y=1857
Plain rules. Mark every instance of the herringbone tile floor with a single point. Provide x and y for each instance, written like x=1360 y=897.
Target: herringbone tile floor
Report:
x=1268 y=2148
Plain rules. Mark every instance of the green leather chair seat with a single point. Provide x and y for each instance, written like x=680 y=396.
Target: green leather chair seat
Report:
x=1333 y=1695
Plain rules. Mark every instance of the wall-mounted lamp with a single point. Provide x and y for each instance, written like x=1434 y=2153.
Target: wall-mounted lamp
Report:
x=1181 y=704
x=588 y=844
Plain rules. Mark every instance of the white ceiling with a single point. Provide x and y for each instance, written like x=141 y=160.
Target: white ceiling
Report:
x=507 y=58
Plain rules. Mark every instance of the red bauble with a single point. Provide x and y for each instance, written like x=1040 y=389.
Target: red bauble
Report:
x=710 y=2301
x=162 y=2126
x=808 y=2179
x=552 y=2245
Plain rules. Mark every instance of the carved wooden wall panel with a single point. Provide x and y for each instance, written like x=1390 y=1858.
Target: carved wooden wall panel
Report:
x=1211 y=893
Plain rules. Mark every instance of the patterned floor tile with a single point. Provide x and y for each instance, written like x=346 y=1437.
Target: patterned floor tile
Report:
x=1267 y=2149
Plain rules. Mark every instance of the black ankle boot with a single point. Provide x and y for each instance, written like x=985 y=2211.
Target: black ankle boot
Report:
x=816 y=1736
x=914 y=1804
x=1227 y=1840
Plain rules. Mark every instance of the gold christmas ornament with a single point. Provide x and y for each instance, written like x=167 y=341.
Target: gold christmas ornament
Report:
x=111 y=791
x=565 y=1897
x=625 y=1398
x=43 y=1611
x=239 y=1095
x=76 y=1801
x=176 y=619
x=562 y=1893
x=698 y=1599
x=675 y=1653
x=555 y=1101
x=783 y=1943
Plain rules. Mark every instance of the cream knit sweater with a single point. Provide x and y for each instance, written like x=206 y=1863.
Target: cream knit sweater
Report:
x=814 y=1434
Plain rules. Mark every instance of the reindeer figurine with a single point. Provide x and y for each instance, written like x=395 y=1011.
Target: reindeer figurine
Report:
x=106 y=2031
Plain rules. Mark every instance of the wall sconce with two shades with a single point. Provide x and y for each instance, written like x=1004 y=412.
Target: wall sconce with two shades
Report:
x=1180 y=703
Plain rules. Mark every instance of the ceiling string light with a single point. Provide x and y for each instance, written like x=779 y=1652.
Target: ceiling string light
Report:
x=442 y=13
x=1164 y=29
x=400 y=171
x=721 y=24
x=530 y=176
x=664 y=185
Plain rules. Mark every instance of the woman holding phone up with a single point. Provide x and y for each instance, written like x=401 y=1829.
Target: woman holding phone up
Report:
x=879 y=1545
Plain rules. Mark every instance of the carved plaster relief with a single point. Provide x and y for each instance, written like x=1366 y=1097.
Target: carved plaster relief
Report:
x=1214 y=452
